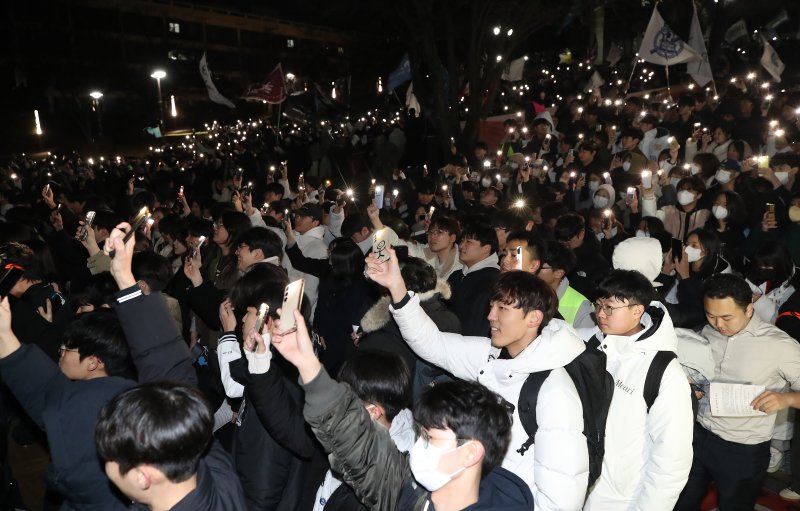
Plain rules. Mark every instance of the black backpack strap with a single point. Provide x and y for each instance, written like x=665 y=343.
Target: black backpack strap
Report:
x=528 y=396
x=652 y=381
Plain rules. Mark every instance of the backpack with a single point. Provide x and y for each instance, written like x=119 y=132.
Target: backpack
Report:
x=595 y=387
x=652 y=382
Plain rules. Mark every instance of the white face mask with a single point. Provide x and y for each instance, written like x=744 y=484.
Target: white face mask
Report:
x=599 y=201
x=486 y=182
x=641 y=234
x=685 y=197
x=693 y=254
x=424 y=463
x=594 y=185
x=722 y=176
x=626 y=166
x=720 y=212
x=783 y=177
x=694 y=168
x=674 y=181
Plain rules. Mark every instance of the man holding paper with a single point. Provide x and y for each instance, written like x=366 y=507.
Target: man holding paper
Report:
x=732 y=438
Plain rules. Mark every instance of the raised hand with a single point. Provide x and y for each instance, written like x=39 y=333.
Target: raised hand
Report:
x=387 y=274
x=296 y=347
x=46 y=312
x=226 y=317
x=123 y=253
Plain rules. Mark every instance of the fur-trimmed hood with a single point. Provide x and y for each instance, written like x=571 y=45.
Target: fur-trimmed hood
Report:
x=378 y=315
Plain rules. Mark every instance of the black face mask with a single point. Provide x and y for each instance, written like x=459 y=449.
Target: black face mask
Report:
x=760 y=275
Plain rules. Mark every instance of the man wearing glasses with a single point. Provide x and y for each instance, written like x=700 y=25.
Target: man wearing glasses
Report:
x=648 y=446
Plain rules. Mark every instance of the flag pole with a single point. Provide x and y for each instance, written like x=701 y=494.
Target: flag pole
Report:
x=633 y=70
x=279 y=117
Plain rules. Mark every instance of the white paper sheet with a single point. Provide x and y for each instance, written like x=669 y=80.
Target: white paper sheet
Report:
x=733 y=399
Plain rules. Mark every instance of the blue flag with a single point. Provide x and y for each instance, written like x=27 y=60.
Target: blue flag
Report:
x=400 y=75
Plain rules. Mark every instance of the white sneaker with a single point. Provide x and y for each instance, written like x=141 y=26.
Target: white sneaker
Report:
x=789 y=494
x=775 y=460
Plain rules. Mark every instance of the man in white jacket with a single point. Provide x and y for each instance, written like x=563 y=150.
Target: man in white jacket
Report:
x=524 y=339
x=309 y=233
x=648 y=452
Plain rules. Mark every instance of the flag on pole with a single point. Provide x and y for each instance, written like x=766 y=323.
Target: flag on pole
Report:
x=662 y=46
x=400 y=75
x=771 y=61
x=700 y=70
x=614 y=55
x=273 y=90
x=213 y=93
x=411 y=100
x=513 y=70
x=736 y=31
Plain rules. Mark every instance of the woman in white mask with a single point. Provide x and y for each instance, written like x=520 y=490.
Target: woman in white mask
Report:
x=729 y=220
x=604 y=197
x=699 y=261
x=683 y=217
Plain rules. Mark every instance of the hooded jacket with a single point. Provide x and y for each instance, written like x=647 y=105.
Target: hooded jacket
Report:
x=557 y=471
x=312 y=245
x=648 y=455
x=385 y=483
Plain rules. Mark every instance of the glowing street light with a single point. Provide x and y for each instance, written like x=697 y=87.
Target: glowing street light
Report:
x=173 y=109
x=158 y=74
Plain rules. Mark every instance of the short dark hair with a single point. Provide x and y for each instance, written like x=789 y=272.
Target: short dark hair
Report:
x=261 y=238
x=353 y=223
x=236 y=223
x=24 y=256
x=263 y=283
x=445 y=223
x=472 y=412
x=275 y=188
x=526 y=291
x=482 y=232
x=152 y=268
x=418 y=275
x=513 y=218
x=695 y=183
x=627 y=285
x=163 y=424
x=536 y=246
x=632 y=132
x=100 y=334
x=559 y=257
x=728 y=285
x=568 y=226
x=105 y=219
x=379 y=377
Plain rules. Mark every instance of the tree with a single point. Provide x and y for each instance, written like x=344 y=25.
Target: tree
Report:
x=456 y=43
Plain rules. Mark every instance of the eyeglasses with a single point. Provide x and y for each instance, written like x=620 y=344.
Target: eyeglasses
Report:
x=608 y=309
x=421 y=432
x=63 y=349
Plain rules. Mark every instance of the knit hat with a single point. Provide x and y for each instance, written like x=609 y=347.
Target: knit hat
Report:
x=639 y=254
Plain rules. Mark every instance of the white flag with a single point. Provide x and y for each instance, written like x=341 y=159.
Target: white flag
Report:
x=411 y=100
x=700 y=70
x=737 y=30
x=213 y=93
x=662 y=46
x=771 y=61
x=513 y=71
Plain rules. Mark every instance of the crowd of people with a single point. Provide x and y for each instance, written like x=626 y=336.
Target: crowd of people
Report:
x=598 y=312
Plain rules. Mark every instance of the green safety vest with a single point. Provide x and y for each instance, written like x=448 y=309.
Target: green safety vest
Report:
x=569 y=304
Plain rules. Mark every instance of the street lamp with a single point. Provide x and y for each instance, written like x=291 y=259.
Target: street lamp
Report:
x=158 y=74
x=96 y=95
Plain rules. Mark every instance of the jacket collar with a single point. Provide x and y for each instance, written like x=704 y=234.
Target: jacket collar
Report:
x=317 y=232
x=489 y=262
x=379 y=315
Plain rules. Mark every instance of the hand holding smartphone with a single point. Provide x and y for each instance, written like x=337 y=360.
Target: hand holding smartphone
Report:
x=292 y=297
x=87 y=223
x=263 y=309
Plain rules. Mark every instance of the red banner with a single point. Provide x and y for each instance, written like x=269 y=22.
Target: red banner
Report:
x=272 y=90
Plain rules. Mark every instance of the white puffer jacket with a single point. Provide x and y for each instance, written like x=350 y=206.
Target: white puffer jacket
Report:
x=648 y=455
x=556 y=467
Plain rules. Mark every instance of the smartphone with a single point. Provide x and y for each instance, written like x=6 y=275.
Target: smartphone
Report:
x=647 y=179
x=519 y=258
x=137 y=222
x=379 y=246
x=677 y=249
x=87 y=223
x=263 y=309
x=631 y=194
x=401 y=251
x=771 y=211
x=607 y=219
x=429 y=214
x=573 y=178
x=379 y=196
x=292 y=296
x=301 y=183
x=196 y=249
x=180 y=192
x=239 y=173
x=11 y=275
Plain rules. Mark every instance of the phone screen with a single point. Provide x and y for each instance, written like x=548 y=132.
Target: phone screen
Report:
x=677 y=249
x=292 y=296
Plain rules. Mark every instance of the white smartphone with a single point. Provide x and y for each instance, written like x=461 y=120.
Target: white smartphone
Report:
x=292 y=297
x=261 y=318
x=379 y=196
x=519 y=258
x=87 y=224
